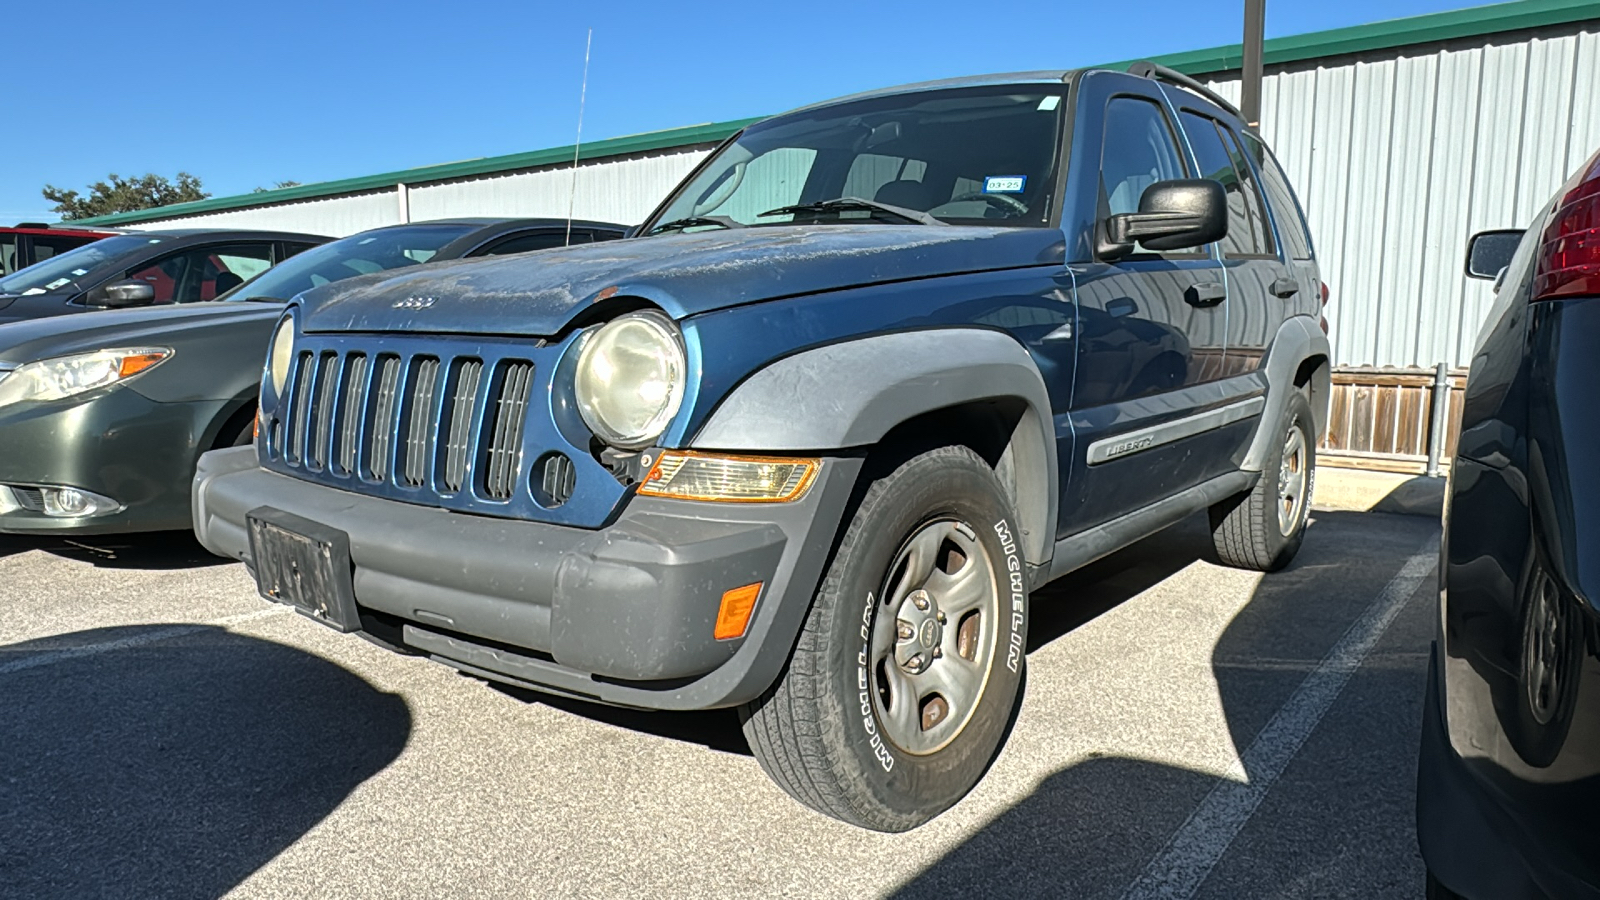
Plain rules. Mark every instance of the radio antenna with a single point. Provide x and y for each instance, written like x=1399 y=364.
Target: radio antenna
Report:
x=583 y=94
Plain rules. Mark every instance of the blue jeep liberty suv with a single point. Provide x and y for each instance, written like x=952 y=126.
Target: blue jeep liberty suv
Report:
x=805 y=442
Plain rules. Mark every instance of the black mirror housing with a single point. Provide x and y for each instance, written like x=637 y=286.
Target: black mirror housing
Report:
x=120 y=294
x=1489 y=252
x=1173 y=215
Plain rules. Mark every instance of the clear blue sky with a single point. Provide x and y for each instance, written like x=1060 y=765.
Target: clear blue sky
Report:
x=248 y=94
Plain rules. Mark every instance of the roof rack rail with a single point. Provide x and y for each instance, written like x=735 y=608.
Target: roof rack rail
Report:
x=1146 y=69
x=40 y=225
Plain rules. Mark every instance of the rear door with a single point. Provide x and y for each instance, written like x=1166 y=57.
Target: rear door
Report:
x=1152 y=326
x=1260 y=286
x=1294 y=236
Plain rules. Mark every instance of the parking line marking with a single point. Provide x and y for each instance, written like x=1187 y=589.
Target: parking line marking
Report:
x=1181 y=866
x=136 y=640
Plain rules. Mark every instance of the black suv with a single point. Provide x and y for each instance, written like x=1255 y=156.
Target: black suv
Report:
x=873 y=372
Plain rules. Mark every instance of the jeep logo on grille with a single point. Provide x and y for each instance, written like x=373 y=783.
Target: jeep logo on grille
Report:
x=414 y=303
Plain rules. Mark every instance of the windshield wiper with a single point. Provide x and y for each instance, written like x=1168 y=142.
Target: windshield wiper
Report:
x=852 y=203
x=695 y=222
x=263 y=299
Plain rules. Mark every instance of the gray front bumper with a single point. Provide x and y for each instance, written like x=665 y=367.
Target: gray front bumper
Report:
x=623 y=615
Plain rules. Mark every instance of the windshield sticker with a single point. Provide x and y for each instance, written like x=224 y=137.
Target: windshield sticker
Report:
x=57 y=283
x=32 y=292
x=80 y=271
x=1049 y=103
x=1004 y=184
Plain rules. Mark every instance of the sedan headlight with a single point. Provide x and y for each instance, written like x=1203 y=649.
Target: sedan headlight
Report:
x=630 y=379
x=64 y=376
x=281 y=355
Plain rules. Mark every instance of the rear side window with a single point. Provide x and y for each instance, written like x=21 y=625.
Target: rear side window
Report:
x=1285 y=208
x=8 y=253
x=1221 y=160
x=537 y=240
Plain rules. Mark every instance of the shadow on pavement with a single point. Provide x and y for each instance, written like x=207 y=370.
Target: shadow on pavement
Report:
x=156 y=550
x=1339 y=821
x=178 y=764
x=717 y=729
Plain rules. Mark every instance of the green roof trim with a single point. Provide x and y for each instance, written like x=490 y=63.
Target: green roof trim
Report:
x=713 y=132
x=1476 y=21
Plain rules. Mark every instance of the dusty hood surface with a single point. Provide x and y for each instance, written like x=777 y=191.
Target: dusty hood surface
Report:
x=539 y=293
x=156 y=326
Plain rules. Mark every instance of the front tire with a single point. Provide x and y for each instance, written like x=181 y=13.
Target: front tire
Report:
x=1262 y=530
x=903 y=683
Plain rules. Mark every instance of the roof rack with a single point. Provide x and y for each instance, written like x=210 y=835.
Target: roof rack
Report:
x=1146 y=69
x=40 y=225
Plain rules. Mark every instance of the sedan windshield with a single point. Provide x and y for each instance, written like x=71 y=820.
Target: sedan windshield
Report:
x=59 y=271
x=359 y=254
x=964 y=156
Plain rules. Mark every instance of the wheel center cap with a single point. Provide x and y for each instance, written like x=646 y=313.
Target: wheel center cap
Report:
x=929 y=636
x=921 y=630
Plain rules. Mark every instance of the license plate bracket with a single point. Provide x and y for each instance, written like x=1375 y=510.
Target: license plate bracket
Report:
x=305 y=565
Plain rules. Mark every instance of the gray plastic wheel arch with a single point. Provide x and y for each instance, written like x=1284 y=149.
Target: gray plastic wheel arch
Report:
x=1299 y=338
x=853 y=393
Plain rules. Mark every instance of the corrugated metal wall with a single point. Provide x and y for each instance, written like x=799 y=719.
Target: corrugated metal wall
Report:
x=1400 y=157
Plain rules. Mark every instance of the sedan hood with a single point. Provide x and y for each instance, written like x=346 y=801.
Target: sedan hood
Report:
x=22 y=342
x=685 y=274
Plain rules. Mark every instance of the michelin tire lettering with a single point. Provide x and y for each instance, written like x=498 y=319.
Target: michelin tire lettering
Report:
x=1015 y=646
x=869 y=722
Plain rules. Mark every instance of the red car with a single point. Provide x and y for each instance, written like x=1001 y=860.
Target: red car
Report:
x=26 y=243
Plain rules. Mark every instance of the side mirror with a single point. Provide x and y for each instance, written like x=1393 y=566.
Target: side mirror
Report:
x=128 y=293
x=1173 y=215
x=1489 y=252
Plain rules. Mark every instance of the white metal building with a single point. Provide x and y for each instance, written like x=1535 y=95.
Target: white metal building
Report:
x=1402 y=138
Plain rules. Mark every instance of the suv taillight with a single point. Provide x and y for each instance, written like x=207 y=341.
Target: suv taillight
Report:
x=1569 y=249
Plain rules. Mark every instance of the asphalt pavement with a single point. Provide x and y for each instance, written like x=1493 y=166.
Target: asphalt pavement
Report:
x=1188 y=731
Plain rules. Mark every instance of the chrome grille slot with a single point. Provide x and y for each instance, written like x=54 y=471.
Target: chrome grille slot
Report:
x=502 y=438
x=327 y=388
x=417 y=419
x=352 y=413
x=301 y=404
x=460 y=413
x=381 y=427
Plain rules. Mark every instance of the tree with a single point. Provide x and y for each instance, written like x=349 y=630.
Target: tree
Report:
x=118 y=194
x=279 y=186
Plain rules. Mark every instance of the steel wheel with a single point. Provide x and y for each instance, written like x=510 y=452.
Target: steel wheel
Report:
x=1545 y=658
x=933 y=639
x=1293 y=481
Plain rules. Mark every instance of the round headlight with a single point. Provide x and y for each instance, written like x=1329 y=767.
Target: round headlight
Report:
x=281 y=355
x=630 y=380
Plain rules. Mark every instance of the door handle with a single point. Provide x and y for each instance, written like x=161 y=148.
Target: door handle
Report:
x=1204 y=294
x=1285 y=288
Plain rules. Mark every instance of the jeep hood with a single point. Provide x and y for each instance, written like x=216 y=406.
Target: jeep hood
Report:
x=150 y=326
x=685 y=274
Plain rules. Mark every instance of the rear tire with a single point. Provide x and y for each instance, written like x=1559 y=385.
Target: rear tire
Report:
x=903 y=682
x=1262 y=530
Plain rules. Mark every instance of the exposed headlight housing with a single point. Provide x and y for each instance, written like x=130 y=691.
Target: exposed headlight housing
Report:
x=65 y=376
x=281 y=355
x=630 y=379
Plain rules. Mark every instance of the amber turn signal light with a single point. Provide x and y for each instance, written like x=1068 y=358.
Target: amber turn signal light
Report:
x=135 y=363
x=733 y=617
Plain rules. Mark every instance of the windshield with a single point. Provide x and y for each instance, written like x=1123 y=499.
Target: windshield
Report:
x=359 y=254
x=60 y=271
x=966 y=156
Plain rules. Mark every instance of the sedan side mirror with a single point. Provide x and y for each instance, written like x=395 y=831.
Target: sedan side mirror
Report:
x=1173 y=215
x=1489 y=252
x=128 y=293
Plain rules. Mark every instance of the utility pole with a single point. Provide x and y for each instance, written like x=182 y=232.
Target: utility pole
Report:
x=1255 y=26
